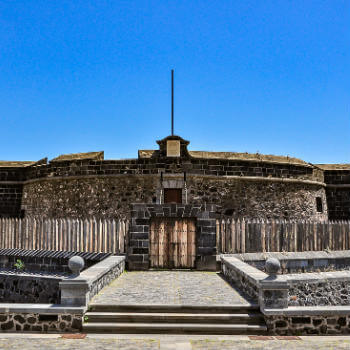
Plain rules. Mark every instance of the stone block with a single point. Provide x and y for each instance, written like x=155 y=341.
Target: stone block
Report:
x=74 y=292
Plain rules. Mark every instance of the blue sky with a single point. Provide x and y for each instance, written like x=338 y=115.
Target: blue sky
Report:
x=266 y=76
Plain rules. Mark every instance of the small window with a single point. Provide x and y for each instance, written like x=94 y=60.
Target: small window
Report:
x=319 y=206
x=173 y=195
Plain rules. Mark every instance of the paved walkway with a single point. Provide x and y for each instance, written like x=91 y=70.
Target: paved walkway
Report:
x=160 y=342
x=169 y=287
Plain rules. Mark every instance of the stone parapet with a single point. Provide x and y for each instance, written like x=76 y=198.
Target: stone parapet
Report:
x=26 y=288
x=77 y=291
x=280 y=296
x=319 y=289
x=296 y=262
x=271 y=291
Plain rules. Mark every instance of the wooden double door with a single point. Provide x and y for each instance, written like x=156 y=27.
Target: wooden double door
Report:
x=172 y=243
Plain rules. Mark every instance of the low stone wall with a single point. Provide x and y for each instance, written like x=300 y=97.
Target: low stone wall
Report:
x=270 y=291
x=309 y=320
x=312 y=288
x=296 y=304
x=40 y=318
x=116 y=268
x=300 y=262
x=22 y=288
x=319 y=289
x=51 y=261
x=241 y=275
x=40 y=323
x=77 y=291
x=306 y=325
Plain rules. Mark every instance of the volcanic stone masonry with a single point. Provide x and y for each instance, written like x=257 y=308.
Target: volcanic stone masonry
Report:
x=239 y=184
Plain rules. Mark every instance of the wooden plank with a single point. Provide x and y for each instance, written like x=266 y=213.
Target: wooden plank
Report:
x=162 y=244
x=178 y=233
x=173 y=226
x=5 y=233
x=273 y=236
x=154 y=250
x=191 y=241
x=233 y=235
x=184 y=256
x=243 y=223
x=118 y=235
x=218 y=248
x=222 y=236
x=2 y=232
x=238 y=232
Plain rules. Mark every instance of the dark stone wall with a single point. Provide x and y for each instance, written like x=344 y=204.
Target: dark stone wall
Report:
x=103 y=197
x=106 y=188
x=12 y=174
x=145 y=166
x=338 y=201
x=10 y=200
x=308 y=324
x=338 y=194
x=259 y=199
x=29 y=289
x=111 y=197
x=31 y=322
x=10 y=191
x=35 y=262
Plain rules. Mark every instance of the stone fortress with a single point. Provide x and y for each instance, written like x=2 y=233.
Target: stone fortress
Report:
x=176 y=209
x=241 y=185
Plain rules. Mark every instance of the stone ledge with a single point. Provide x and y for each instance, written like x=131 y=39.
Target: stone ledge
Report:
x=336 y=254
x=41 y=309
x=94 y=272
x=319 y=277
x=308 y=311
x=77 y=291
x=189 y=175
x=249 y=271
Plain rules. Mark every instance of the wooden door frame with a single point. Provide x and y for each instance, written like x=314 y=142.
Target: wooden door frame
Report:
x=139 y=232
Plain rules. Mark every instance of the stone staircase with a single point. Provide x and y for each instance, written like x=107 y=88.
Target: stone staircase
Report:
x=178 y=319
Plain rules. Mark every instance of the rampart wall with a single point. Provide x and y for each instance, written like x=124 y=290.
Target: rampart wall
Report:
x=338 y=194
x=11 y=187
x=107 y=188
x=269 y=188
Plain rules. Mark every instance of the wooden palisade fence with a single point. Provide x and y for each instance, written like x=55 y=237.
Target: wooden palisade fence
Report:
x=89 y=235
x=244 y=236
x=233 y=236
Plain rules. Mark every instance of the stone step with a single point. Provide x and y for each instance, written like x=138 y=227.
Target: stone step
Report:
x=177 y=328
x=221 y=309
x=172 y=317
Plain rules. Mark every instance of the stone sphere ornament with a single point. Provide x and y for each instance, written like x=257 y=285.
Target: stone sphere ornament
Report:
x=76 y=264
x=272 y=266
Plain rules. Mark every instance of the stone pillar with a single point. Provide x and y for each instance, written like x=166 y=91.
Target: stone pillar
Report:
x=75 y=292
x=273 y=290
x=273 y=293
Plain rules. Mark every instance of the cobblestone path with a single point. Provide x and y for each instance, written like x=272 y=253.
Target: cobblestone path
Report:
x=131 y=342
x=169 y=287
